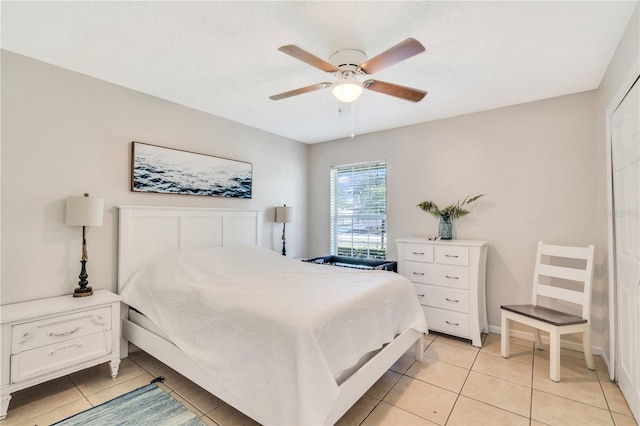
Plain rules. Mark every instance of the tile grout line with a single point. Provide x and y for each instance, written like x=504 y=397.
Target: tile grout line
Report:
x=394 y=385
x=606 y=400
x=462 y=387
x=483 y=402
x=608 y=407
x=85 y=397
x=533 y=373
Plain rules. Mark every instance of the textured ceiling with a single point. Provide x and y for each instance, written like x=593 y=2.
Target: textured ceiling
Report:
x=222 y=57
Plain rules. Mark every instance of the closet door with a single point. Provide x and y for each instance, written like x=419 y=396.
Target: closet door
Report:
x=625 y=147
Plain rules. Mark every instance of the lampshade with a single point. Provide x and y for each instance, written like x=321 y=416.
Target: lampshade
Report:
x=347 y=89
x=284 y=214
x=84 y=211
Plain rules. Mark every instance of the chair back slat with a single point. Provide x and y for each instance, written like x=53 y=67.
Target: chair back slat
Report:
x=566 y=251
x=582 y=275
x=563 y=272
x=572 y=296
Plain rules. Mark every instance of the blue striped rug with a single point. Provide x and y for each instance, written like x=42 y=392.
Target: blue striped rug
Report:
x=145 y=406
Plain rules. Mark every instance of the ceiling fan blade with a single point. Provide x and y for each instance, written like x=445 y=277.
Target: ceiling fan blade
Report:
x=300 y=91
x=307 y=57
x=402 y=92
x=393 y=55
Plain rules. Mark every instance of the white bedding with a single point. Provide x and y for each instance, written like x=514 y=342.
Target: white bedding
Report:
x=273 y=331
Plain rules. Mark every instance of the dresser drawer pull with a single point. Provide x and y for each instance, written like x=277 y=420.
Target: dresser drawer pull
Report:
x=27 y=335
x=452 y=278
x=418 y=273
x=451 y=300
x=64 y=333
x=75 y=345
x=451 y=255
x=420 y=295
x=456 y=324
x=417 y=253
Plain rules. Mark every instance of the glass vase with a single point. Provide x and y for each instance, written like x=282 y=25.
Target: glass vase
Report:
x=445 y=228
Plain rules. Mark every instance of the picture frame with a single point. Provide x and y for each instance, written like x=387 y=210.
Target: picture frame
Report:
x=163 y=170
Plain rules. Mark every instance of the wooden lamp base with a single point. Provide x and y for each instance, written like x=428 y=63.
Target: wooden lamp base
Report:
x=84 y=289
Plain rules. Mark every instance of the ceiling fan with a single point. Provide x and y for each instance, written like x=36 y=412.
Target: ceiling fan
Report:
x=348 y=64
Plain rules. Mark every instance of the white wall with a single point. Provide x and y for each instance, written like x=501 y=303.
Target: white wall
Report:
x=536 y=163
x=64 y=134
x=623 y=68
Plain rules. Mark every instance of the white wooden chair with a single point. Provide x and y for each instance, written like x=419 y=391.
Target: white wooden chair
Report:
x=550 y=320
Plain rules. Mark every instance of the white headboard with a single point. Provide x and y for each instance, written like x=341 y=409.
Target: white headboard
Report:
x=146 y=232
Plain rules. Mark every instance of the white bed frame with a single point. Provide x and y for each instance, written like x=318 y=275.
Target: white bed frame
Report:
x=149 y=231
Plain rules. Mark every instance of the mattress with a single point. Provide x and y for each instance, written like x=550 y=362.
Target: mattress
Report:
x=138 y=318
x=279 y=321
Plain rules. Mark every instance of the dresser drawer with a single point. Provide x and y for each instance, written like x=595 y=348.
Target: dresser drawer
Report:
x=61 y=328
x=449 y=322
x=452 y=255
x=429 y=273
x=418 y=252
x=44 y=359
x=442 y=297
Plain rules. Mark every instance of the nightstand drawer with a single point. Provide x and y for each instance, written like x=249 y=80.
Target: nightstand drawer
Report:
x=48 y=338
x=452 y=255
x=418 y=253
x=61 y=328
x=448 y=322
x=45 y=359
x=446 y=276
x=444 y=298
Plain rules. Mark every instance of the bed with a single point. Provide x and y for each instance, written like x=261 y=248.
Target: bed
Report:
x=309 y=340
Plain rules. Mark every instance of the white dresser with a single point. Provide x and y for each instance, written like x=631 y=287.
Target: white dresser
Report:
x=449 y=278
x=48 y=338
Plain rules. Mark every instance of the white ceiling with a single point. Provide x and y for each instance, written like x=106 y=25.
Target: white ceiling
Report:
x=222 y=57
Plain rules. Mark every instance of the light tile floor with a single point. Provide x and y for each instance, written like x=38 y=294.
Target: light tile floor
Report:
x=456 y=384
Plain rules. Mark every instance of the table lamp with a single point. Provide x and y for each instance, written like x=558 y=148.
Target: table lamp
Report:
x=84 y=211
x=283 y=216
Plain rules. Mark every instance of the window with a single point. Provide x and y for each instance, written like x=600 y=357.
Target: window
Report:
x=359 y=210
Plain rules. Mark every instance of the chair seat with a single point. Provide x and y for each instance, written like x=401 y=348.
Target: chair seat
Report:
x=543 y=314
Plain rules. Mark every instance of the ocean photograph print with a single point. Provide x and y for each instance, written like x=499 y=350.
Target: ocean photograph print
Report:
x=173 y=171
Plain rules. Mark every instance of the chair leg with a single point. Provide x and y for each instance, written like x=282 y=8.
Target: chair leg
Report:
x=554 y=355
x=536 y=338
x=588 y=355
x=504 y=337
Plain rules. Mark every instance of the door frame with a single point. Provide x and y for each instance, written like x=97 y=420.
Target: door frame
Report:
x=621 y=92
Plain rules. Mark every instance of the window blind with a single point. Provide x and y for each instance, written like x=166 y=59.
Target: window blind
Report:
x=359 y=210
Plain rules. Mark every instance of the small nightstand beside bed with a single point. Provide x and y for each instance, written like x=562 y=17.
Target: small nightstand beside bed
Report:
x=283 y=341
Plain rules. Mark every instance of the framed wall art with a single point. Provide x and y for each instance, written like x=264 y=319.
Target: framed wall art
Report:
x=173 y=171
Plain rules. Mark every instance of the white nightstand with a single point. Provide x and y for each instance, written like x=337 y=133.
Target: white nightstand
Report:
x=48 y=338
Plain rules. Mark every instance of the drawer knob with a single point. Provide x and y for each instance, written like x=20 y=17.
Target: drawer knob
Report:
x=455 y=324
x=420 y=295
x=451 y=300
x=64 y=333
x=99 y=319
x=75 y=345
x=27 y=335
x=452 y=278
x=418 y=273
x=451 y=255
x=417 y=253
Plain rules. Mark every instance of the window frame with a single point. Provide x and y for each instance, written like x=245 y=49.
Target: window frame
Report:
x=363 y=243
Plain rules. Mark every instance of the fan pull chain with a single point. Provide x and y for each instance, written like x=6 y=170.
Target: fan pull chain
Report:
x=341 y=114
x=353 y=132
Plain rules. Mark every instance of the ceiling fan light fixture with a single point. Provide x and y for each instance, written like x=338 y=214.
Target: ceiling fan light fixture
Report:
x=347 y=89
